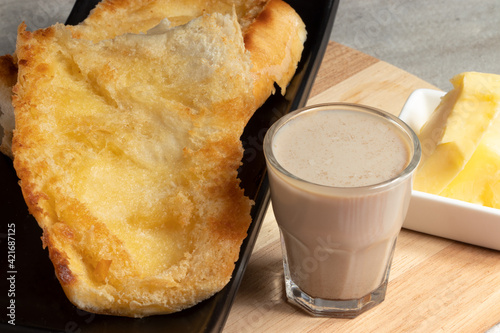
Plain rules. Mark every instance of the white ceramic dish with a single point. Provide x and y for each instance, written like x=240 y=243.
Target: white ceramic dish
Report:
x=440 y=216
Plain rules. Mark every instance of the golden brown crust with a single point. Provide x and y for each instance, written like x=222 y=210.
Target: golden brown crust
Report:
x=121 y=143
x=197 y=215
x=112 y=18
x=275 y=50
x=274 y=34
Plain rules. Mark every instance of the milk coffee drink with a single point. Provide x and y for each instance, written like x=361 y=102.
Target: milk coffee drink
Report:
x=340 y=186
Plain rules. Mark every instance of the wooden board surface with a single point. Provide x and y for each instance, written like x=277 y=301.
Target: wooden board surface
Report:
x=436 y=285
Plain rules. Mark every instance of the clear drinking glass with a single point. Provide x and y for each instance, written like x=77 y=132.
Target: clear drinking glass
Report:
x=338 y=241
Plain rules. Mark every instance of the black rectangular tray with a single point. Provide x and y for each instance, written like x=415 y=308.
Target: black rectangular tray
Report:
x=40 y=303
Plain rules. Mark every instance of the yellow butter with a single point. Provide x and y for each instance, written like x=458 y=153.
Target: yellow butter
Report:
x=479 y=181
x=455 y=129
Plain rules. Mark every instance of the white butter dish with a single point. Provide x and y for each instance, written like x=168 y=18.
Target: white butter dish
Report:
x=440 y=216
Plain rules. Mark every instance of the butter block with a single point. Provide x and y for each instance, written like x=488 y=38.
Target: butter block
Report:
x=479 y=181
x=455 y=129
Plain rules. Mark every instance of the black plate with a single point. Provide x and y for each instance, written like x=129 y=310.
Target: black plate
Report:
x=39 y=302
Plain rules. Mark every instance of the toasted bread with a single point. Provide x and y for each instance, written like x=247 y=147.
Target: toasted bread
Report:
x=128 y=151
x=111 y=18
x=275 y=51
x=128 y=148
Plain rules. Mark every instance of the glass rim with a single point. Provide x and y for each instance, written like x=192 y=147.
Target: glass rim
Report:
x=414 y=143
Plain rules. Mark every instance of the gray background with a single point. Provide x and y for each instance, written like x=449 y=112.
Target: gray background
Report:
x=432 y=39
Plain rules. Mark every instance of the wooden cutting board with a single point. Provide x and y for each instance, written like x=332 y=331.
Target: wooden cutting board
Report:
x=436 y=285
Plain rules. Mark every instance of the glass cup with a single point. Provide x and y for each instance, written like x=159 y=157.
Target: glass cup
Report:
x=338 y=240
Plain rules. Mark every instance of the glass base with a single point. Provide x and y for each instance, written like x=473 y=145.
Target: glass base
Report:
x=334 y=308
x=337 y=308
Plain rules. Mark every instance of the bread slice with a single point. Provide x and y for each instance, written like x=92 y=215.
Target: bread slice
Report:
x=111 y=18
x=127 y=151
x=275 y=40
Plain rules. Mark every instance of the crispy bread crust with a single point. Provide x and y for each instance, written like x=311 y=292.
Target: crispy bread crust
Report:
x=275 y=50
x=97 y=266
x=115 y=17
x=274 y=35
x=98 y=262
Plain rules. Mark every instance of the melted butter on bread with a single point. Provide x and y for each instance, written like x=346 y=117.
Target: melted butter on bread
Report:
x=127 y=151
x=128 y=148
x=111 y=18
x=274 y=35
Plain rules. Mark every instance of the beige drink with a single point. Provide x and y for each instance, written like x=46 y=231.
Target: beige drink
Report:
x=340 y=180
x=341 y=148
